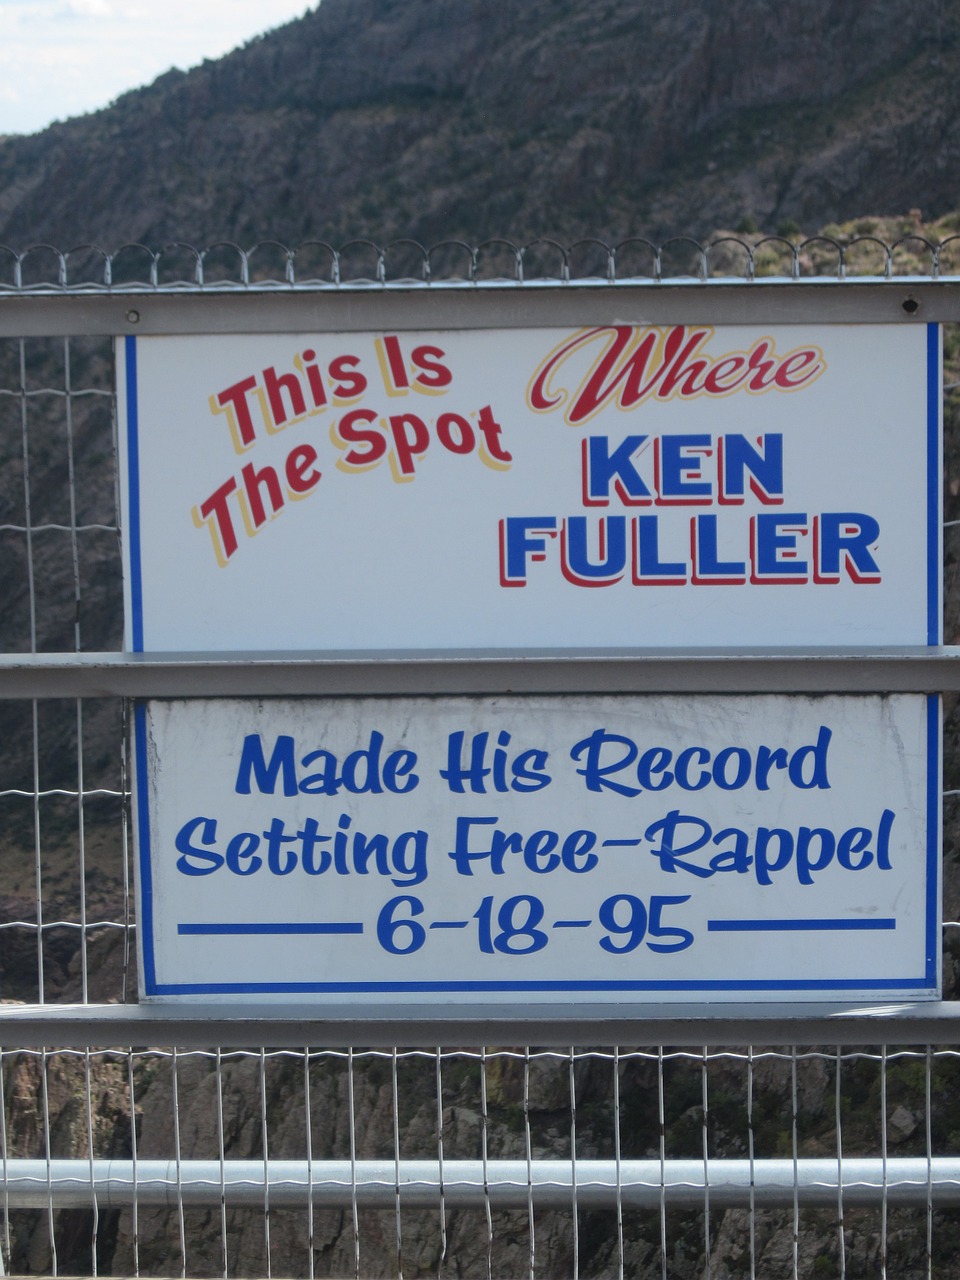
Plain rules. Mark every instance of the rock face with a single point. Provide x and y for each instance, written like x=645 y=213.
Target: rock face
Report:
x=523 y=118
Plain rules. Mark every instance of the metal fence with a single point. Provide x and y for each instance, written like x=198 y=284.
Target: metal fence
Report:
x=303 y=1142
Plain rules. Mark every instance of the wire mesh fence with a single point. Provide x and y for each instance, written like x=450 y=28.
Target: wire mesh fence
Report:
x=316 y=264
x=482 y=1162
x=651 y=1161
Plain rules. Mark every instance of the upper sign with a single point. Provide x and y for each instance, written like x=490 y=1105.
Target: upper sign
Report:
x=614 y=486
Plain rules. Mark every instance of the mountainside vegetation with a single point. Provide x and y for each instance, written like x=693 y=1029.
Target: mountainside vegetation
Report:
x=518 y=118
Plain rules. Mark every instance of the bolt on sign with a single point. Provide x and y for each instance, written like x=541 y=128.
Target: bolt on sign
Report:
x=514 y=489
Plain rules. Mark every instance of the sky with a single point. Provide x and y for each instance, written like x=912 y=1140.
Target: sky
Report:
x=61 y=58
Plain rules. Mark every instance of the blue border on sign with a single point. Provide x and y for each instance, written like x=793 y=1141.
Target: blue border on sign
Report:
x=927 y=981
x=934 y=453
x=494 y=988
x=934 y=787
x=133 y=511
x=143 y=843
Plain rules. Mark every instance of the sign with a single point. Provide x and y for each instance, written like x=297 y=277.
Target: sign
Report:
x=610 y=486
x=514 y=848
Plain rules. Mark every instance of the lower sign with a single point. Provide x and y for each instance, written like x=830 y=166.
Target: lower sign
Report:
x=467 y=850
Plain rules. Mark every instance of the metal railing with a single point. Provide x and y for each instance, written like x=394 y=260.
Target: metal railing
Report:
x=306 y=1141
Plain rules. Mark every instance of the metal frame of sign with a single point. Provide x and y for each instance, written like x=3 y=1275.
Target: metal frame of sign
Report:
x=124 y=310
x=359 y=310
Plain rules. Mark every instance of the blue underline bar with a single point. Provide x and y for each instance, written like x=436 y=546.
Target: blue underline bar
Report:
x=795 y=926
x=318 y=927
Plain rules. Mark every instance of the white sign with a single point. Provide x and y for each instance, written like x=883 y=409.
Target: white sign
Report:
x=617 y=486
x=508 y=849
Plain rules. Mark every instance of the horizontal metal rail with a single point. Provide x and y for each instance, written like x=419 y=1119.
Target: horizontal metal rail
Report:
x=901 y=669
x=276 y=1025
x=472 y=1184
x=343 y=308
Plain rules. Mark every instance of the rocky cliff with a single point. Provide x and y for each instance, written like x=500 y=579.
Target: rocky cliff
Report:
x=473 y=118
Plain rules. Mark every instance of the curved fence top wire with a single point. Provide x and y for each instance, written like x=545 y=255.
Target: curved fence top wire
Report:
x=361 y=263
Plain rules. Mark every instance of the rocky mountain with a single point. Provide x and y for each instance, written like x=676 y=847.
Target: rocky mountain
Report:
x=520 y=118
